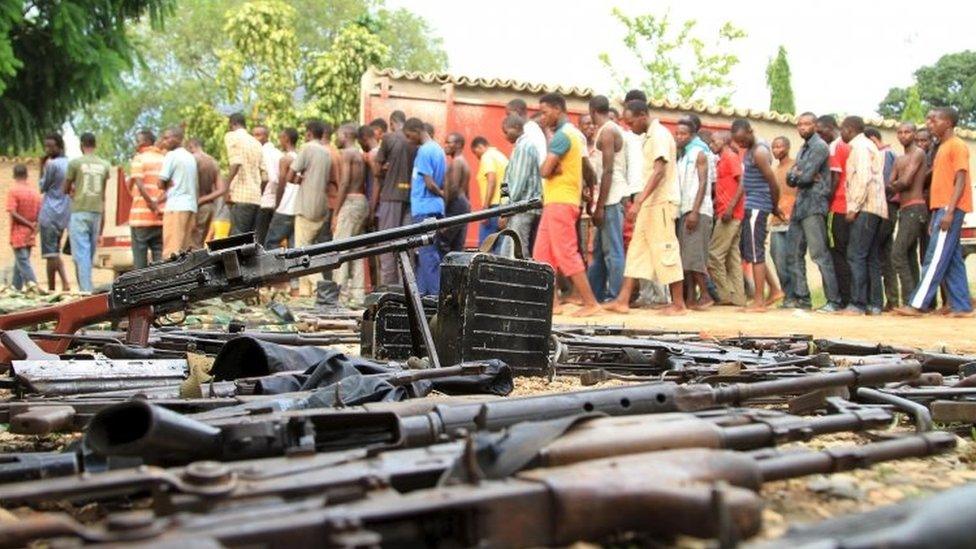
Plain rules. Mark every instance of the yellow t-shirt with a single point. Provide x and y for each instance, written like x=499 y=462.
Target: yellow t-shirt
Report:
x=492 y=161
x=566 y=187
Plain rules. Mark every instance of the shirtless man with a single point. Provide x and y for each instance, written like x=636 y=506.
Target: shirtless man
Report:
x=908 y=179
x=352 y=209
x=455 y=191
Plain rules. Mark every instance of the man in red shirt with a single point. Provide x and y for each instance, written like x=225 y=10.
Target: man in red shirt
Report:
x=837 y=226
x=24 y=205
x=724 y=257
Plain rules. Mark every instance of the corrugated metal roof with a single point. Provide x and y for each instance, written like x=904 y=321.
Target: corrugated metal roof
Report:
x=584 y=92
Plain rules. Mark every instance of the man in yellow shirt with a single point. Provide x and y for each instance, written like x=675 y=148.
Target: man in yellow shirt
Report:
x=491 y=170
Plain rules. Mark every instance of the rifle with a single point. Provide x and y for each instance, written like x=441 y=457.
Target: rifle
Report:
x=225 y=267
x=169 y=344
x=530 y=445
x=942 y=521
x=138 y=428
x=698 y=492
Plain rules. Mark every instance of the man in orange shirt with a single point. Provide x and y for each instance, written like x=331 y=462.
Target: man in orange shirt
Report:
x=779 y=235
x=950 y=199
x=146 y=212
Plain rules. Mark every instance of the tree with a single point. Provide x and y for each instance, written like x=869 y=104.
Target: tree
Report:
x=181 y=70
x=259 y=68
x=333 y=77
x=914 y=111
x=779 y=84
x=663 y=52
x=56 y=57
x=951 y=81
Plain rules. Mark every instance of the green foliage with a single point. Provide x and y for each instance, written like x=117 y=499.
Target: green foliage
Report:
x=951 y=81
x=914 y=110
x=333 y=77
x=676 y=63
x=10 y=16
x=412 y=43
x=192 y=64
x=209 y=126
x=779 y=84
x=258 y=69
x=56 y=57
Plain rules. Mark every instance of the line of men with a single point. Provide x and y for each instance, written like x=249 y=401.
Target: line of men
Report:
x=689 y=210
x=681 y=210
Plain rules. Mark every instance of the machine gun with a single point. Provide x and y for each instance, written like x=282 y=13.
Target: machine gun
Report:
x=698 y=492
x=140 y=429
x=226 y=266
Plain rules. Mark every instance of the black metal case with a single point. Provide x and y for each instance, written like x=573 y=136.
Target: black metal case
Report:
x=495 y=307
x=385 y=331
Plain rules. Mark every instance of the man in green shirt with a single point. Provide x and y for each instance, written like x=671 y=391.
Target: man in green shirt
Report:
x=85 y=183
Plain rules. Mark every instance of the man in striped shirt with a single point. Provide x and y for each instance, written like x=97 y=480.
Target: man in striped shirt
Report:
x=762 y=199
x=523 y=181
x=145 y=214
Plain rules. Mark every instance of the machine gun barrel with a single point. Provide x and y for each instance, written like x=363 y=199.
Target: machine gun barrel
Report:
x=429 y=225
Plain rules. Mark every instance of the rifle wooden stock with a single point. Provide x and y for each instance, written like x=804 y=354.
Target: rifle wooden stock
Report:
x=69 y=318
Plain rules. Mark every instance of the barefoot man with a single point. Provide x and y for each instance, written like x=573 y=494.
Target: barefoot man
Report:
x=556 y=242
x=762 y=199
x=654 y=252
x=908 y=179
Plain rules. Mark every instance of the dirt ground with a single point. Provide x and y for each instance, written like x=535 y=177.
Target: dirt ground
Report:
x=930 y=333
x=811 y=499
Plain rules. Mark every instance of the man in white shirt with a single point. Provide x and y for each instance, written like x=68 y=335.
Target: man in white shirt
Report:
x=270 y=157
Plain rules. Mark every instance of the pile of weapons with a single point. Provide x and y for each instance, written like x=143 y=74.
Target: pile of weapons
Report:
x=285 y=442
x=683 y=450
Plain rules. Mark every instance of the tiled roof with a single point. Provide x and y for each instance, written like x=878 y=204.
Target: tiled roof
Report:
x=488 y=83
x=584 y=92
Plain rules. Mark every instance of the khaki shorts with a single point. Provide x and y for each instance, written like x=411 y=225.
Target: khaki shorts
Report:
x=654 y=253
x=177 y=228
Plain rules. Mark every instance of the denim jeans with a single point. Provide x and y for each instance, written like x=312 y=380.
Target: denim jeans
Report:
x=487 y=227
x=428 y=266
x=913 y=225
x=146 y=240
x=281 y=227
x=888 y=273
x=779 y=249
x=606 y=273
x=864 y=257
x=83 y=232
x=243 y=218
x=810 y=233
x=23 y=270
x=839 y=231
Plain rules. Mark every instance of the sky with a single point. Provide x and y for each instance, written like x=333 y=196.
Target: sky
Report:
x=844 y=55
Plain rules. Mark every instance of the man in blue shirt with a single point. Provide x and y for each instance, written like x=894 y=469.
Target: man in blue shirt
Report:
x=179 y=178
x=426 y=199
x=55 y=209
